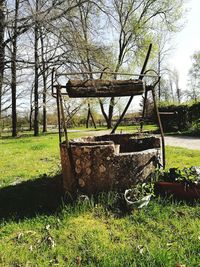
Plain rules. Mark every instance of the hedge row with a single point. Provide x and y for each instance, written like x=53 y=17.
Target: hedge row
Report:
x=182 y=118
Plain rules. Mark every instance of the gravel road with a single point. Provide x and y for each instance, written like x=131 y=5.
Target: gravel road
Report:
x=183 y=141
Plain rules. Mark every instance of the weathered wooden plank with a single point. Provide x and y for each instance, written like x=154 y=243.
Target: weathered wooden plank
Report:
x=167 y=113
x=104 y=88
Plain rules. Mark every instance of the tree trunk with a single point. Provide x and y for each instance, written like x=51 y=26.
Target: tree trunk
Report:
x=44 y=114
x=178 y=91
x=103 y=111
x=36 y=94
x=87 y=120
x=13 y=89
x=93 y=121
x=89 y=114
x=13 y=71
x=159 y=85
x=2 y=28
x=110 y=112
x=30 y=119
x=31 y=109
x=171 y=89
x=44 y=77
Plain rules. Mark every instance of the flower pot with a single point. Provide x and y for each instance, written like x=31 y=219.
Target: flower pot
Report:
x=140 y=203
x=178 y=190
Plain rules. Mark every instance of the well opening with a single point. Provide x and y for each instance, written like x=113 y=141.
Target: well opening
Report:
x=124 y=143
x=131 y=142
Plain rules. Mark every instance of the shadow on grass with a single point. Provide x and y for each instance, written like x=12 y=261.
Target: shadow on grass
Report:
x=28 y=199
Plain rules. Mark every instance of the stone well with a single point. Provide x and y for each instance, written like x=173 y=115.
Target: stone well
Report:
x=108 y=162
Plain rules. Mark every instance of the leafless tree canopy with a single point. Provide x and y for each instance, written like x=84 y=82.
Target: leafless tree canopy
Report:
x=73 y=35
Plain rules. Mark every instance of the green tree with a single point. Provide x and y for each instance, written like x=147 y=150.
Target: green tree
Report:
x=135 y=23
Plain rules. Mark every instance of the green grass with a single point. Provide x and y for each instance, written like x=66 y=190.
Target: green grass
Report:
x=38 y=229
x=135 y=128
x=163 y=234
x=178 y=157
x=28 y=157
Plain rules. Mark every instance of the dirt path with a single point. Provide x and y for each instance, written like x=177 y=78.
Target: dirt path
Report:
x=179 y=141
x=183 y=141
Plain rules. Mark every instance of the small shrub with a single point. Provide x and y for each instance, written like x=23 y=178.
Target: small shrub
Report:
x=195 y=128
x=184 y=118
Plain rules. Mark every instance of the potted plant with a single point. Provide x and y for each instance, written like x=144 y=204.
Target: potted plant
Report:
x=182 y=184
x=139 y=195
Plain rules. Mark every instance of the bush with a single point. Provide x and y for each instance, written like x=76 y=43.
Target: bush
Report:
x=185 y=118
x=194 y=112
x=178 y=121
x=195 y=128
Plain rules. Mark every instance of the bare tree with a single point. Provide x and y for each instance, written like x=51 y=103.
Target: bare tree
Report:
x=44 y=77
x=2 y=30
x=177 y=87
x=36 y=79
x=14 y=71
x=71 y=33
x=31 y=18
x=164 y=48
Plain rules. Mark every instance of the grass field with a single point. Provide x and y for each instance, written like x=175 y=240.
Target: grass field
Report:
x=38 y=229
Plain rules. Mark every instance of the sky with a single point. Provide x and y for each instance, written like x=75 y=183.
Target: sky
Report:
x=187 y=42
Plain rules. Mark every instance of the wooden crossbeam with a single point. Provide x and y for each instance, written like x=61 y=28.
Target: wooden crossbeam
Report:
x=104 y=88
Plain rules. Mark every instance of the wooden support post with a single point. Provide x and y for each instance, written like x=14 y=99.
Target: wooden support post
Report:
x=144 y=109
x=63 y=118
x=58 y=111
x=88 y=116
x=160 y=127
